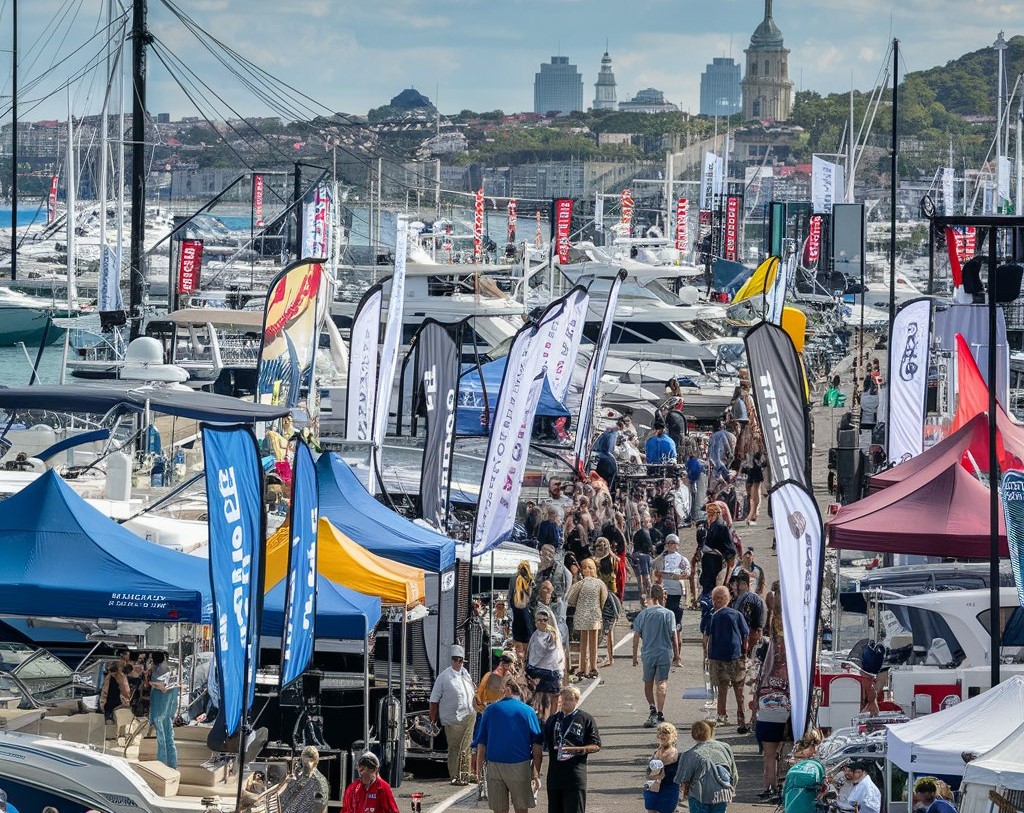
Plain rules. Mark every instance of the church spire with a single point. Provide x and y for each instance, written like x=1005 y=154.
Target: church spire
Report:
x=767 y=9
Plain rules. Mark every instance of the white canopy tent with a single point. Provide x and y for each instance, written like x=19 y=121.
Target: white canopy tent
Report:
x=1001 y=770
x=932 y=744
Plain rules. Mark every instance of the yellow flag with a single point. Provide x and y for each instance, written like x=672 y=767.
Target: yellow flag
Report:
x=760 y=281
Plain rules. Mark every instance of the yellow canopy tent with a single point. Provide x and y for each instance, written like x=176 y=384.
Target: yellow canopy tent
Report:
x=349 y=564
x=760 y=281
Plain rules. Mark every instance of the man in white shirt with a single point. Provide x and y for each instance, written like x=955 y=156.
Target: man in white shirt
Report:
x=865 y=796
x=451 y=702
x=557 y=499
x=674 y=569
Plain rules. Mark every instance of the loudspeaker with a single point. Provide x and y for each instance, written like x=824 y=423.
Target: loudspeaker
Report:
x=1008 y=279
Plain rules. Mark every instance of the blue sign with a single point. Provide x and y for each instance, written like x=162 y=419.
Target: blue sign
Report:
x=234 y=493
x=300 y=589
x=1012 y=495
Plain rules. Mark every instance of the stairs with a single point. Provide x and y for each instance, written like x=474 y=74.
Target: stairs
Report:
x=197 y=781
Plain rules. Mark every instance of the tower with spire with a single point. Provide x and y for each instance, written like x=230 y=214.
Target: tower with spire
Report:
x=604 y=88
x=767 y=89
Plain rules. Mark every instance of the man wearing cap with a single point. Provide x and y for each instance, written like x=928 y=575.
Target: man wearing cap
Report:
x=865 y=796
x=307 y=789
x=926 y=791
x=753 y=570
x=659 y=448
x=655 y=625
x=451 y=702
x=509 y=742
x=369 y=793
x=674 y=569
x=5 y=806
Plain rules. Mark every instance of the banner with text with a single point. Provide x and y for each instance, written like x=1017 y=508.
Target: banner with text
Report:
x=1012 y=495
x=437 y=377
x=316 y=229
x=51 y=200
x=109 y=298
x=682 y=225
x=512 y=218
x=257 y=200
x=300 y=590
x=560 y=341
x=592 y=380
x=599 y=214
x=389 y=345
x=908 y=379
x=827 y=185
x=732 y=228
x=234 y=494
x=291 y=330
x=799 y=545
x=363 y=347
x=948 y=195
x=778 y=385
x=710 y=181
x=812 y=246
x=627 y=206
x=190 y=265
x=478 y=225
x=562 y=220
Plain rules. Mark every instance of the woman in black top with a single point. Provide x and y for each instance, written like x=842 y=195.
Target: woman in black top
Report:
x=755 y=476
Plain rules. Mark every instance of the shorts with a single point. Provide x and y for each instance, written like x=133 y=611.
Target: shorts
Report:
x=548 y=680
x=726 y=671
x=513 y=779
x=675 y=604
x=656 y=668
x=770 y=732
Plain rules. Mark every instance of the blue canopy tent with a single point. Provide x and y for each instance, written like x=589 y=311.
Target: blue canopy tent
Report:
x=351 y=509
x=60 y=556
x=470 y=412
x=340 y=613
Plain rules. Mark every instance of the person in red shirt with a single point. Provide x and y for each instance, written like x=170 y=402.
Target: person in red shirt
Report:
x=369 y=793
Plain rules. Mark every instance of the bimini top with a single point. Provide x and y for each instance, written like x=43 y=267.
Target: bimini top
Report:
x=99 y=400
x=60 y=556
x=350 y=508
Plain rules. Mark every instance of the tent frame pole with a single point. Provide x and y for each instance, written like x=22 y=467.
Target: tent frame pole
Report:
x=993 y=463
x=366 y=694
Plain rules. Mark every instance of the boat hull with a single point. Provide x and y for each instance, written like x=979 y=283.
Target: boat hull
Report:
x=18 y=324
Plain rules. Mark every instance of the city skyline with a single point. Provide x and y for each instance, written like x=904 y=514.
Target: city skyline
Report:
x=466 y=55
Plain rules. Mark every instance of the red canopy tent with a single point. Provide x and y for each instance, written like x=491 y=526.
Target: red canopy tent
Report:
x=971 y=437
x=941 y=510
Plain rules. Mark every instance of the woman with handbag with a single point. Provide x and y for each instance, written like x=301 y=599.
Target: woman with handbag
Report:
x=707 y=772
x=545 y=664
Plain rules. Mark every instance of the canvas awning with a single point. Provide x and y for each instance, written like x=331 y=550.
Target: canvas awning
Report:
x=340 y=612
x=346 y=563
x=352 y=510
x=60 y=556
x=933 y=743
x=470 y=415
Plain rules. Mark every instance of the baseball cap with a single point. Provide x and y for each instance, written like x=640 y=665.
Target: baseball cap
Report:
x=458 y=651
x=369 y=759
x=508 y=656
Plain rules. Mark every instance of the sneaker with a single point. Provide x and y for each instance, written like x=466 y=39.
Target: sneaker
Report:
x=652 y=720
x=661 y=718
x=742 y=728
x=766 y=793
x=722 y=719
x=751 y=522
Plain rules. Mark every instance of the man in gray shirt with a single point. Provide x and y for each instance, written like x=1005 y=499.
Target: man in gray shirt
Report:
x=655 y=625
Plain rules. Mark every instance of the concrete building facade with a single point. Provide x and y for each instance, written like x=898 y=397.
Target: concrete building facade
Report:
x=557 y=87
x=767 y=89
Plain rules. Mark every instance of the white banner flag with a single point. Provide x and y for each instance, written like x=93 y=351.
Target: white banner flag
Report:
x=1005 y=170
x=316 y=226
x=588 y=398
x=800 y=549
x=908 y=379
x=775 y=296
x=392 y=339
x=561 y=341
x=827 y=185
x=710 y=181
x=362 y=365
x=109 y=298
x=948 y=195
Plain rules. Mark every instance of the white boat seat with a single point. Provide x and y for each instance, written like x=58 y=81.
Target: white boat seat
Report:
x=844 y=695
x=923 y=704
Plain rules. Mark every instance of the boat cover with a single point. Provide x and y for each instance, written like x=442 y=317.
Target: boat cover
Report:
x=341 y=613
x=350 y=508
x=470 y=413
x=60 y=556
x=942 y=510
x=933 y=743
x=346 y=563
x=99 y=400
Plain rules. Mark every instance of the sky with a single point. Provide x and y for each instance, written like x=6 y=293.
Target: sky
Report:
x=479 y=54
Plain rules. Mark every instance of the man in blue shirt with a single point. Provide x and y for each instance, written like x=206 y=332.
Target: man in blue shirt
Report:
x=509 y=741
x=727 y=640
x=926 y=790
x=655 y=625
x=721 y=446
x=659 y=448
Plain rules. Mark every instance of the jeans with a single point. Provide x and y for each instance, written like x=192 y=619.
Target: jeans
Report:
x=700 y=807
x=162 y=707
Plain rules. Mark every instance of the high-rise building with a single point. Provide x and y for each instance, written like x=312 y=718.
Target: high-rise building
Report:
x=557 y=88
x=767 y=89
x=604 y=88
x=720 y=93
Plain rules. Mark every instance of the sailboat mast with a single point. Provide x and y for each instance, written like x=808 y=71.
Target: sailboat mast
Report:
x=71 y=179
x=1019 y=199
x=140 y=39
x=850 y=147
x=14 y=144
x=103 y=152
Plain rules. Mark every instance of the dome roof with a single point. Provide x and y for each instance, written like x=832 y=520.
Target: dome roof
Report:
x=767 y=34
